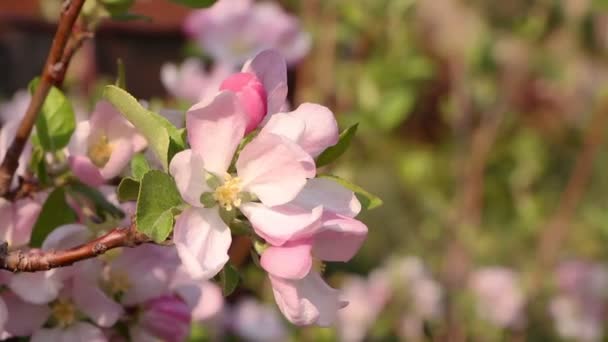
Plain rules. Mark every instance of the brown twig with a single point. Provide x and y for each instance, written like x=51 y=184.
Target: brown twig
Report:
x=53 y=70
x=556 y=230
x=37 y=260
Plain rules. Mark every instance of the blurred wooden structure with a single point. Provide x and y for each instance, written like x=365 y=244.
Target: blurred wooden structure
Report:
x=142 y=45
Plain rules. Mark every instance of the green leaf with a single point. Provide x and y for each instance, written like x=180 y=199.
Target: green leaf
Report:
x=37 y=162
x=332 y=153
x=117 y=7
x=127 y=16
x=163 y=138
x=157 y=200
x=121 y=75
x=229 y=279
x=128 y=189
x=139 y=166
x=195 y=3
x=56 y=121
x=55 y=212
x=368 y=200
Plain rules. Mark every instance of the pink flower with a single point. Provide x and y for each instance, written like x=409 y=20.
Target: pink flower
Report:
x=580 y=306
x=190 y=81
x=249 y=315
x=235 y=30
x=167 y=318
x=366 y=298
x=67 y=291
x=10 y=116
x=251 y=94
x=499 y=297
x=102 y=146
x=270 y=168
x=18 y=219
x=299 y=290
x=24 y=318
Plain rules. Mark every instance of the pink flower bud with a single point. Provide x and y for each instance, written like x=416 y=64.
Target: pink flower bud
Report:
x=251 y=94
x=166 y=317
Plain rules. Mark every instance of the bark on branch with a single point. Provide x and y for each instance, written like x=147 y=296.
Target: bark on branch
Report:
x=38 y=260
x=53 y=72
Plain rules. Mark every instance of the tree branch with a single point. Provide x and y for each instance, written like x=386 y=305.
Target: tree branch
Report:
x=556 y=230
x=37 y=260
x=53 y=71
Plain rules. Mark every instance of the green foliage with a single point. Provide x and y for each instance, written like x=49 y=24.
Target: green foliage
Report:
x=163 y=138
x=56 y=121
x=139 y=166
x=55 y=212
x=157 y=202
x=229 y=278
x=128 y=189
x=94 y=199
x=334 y=152
x=195 y=3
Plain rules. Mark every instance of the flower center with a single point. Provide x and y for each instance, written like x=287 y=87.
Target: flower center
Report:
x=227 y=194
x=100 y=151
x=119 y=282
x=318 y=265
x=64 y=312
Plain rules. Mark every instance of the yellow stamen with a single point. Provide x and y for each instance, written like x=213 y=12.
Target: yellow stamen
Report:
x=119 y=282
x=318 y=265
x=100 y=151
x=64 y=312
x=227 y=194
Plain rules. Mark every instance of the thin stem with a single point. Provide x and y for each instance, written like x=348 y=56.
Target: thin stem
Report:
x=37 y=260
x=556 y=230
x=53 y=71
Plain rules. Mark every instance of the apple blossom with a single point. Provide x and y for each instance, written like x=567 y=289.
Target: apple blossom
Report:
x=500 y=300
x=18 y=219
x=248 y=315
x=235 y=30
x=580 y=303
x=11 y=113
x=270 y=168
x=102 y=146
x=190 y=81
x=167 y=318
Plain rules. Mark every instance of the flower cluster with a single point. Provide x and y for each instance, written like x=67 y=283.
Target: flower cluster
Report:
x=249 y=161
x=247 y=164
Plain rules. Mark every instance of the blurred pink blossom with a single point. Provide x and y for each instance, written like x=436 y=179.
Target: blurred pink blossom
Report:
x=190 y=81
x=11 y=113
x=18 y=219
x=581 y=304
x=166 y=318
x=249 y=315
x=233 y=31
x=499 y=297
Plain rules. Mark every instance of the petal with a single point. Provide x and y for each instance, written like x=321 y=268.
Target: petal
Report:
x=307 y=301
x=270 y=67
x=279 y=224
x=204 y=298
x=202 y=240
x=24 y=317
x=285 y=125
x=26 y=214
x=331 y=195
x=85 y=170
x=76 y=332
x=274 y=168
x=66 y=236
x=321 y=129
x=339 y=239
x=79 y=142
x=215 y=129
x=188 y=170
x=94 y=303
x=38 y=287
x=122 y=152
x=290 y=261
